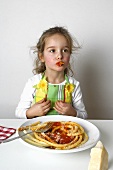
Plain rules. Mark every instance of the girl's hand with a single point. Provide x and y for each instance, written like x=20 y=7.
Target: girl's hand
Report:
x=65 y=108
x=39 y=109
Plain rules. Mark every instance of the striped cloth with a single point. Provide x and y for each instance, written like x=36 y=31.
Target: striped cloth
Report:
x=6 y=132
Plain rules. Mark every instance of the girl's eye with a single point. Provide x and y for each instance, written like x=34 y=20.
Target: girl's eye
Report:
x=65 y=50
x=52 y=51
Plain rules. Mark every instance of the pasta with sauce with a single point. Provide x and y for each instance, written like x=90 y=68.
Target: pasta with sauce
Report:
x=62 y=135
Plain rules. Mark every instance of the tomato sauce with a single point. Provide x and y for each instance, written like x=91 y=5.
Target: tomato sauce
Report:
x=59 y=136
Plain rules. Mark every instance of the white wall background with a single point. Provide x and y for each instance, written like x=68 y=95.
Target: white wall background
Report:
x=90 y=21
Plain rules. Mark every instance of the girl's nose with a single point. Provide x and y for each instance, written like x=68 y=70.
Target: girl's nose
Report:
x=59 y=56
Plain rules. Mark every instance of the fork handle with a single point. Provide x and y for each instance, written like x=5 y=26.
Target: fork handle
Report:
x=17 y=137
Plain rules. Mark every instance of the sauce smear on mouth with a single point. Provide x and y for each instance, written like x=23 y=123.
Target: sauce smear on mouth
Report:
x=60 y=63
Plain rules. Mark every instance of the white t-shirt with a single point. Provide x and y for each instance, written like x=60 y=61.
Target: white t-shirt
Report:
x=29 y=93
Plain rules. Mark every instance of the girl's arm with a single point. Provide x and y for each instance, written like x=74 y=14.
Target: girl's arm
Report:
x=25 y=109
x=77 y=102
x=25 y=100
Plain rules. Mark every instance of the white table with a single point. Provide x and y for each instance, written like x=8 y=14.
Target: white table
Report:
x=16 y=156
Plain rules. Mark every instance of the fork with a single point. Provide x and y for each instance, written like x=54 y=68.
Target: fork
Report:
x=46 y=128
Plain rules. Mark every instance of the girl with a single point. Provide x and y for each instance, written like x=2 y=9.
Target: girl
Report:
x=51 y=90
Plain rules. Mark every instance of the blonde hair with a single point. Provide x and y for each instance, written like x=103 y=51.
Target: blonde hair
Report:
x=39 y=48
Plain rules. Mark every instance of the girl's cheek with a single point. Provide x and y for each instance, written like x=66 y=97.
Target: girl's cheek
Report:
x=48 y=61
x=67 y=60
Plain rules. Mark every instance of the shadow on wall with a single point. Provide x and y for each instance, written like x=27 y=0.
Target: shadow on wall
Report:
x=94 y=71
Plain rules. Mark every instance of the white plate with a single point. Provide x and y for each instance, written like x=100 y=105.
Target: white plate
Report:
x=91 y=130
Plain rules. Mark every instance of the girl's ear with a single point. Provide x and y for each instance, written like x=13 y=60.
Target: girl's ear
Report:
x=41 y=57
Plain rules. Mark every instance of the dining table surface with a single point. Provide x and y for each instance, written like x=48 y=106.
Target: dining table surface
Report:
x=15 y=155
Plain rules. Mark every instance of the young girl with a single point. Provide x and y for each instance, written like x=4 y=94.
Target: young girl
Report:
x=51 y=90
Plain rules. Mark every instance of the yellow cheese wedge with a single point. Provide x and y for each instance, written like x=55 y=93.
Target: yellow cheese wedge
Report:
x=99 y=158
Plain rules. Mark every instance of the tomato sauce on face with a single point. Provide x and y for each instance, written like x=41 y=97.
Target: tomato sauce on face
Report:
x=60 y=63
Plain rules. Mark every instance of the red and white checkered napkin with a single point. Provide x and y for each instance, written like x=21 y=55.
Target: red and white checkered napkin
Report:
x=6 y=132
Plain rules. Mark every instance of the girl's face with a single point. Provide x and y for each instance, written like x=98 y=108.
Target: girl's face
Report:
x=56 y=49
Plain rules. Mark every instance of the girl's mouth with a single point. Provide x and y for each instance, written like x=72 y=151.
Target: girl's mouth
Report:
x=60 y=63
